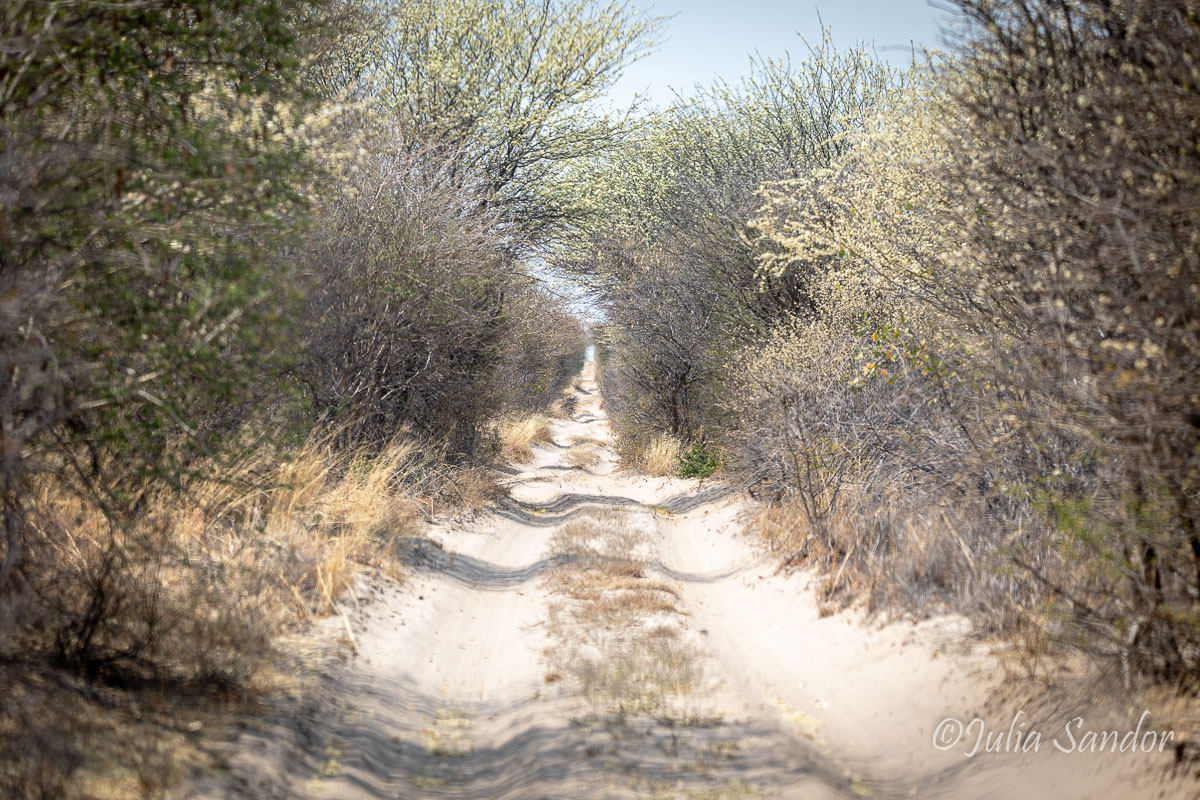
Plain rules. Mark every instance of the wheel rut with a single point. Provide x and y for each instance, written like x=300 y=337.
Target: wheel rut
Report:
x=599 y=634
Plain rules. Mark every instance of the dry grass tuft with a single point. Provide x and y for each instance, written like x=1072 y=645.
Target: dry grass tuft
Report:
x=660 y=456
x=321 y=518
x=519 y=434
x=583 y=455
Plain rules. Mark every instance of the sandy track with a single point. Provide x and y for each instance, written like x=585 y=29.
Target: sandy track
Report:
x=447 y=696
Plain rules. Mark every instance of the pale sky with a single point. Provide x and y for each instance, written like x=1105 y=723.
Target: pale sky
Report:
x=710 y=38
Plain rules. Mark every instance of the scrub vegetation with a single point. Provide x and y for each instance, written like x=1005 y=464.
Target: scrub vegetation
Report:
x=266 y=306
x=942 y=320
x=272 y=293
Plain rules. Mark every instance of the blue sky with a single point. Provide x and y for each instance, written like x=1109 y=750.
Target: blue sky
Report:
x=707 y=38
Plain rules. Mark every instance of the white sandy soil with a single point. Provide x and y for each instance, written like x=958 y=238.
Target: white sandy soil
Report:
x=447 y=697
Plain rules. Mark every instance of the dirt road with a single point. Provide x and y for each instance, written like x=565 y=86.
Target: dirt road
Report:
x=601 y=634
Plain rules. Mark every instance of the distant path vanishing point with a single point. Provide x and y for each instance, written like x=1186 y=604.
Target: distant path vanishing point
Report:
x=456 y=689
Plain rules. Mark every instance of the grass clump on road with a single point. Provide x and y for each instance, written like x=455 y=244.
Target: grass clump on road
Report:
x=618 y=630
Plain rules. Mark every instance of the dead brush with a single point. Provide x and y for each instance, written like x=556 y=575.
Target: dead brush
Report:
x=471 y=488
x=61 y=739
x=912 y=553
x=567 y=403
x=335 y=515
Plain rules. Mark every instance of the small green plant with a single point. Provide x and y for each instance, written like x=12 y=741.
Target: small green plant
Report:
x=698 y=462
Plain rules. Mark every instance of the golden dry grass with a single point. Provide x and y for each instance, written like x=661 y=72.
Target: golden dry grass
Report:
x=332 y=516
x=203 y=592
x=660 y=456
x=519 y=434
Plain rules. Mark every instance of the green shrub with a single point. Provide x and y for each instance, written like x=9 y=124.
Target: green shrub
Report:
x=698 y=462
